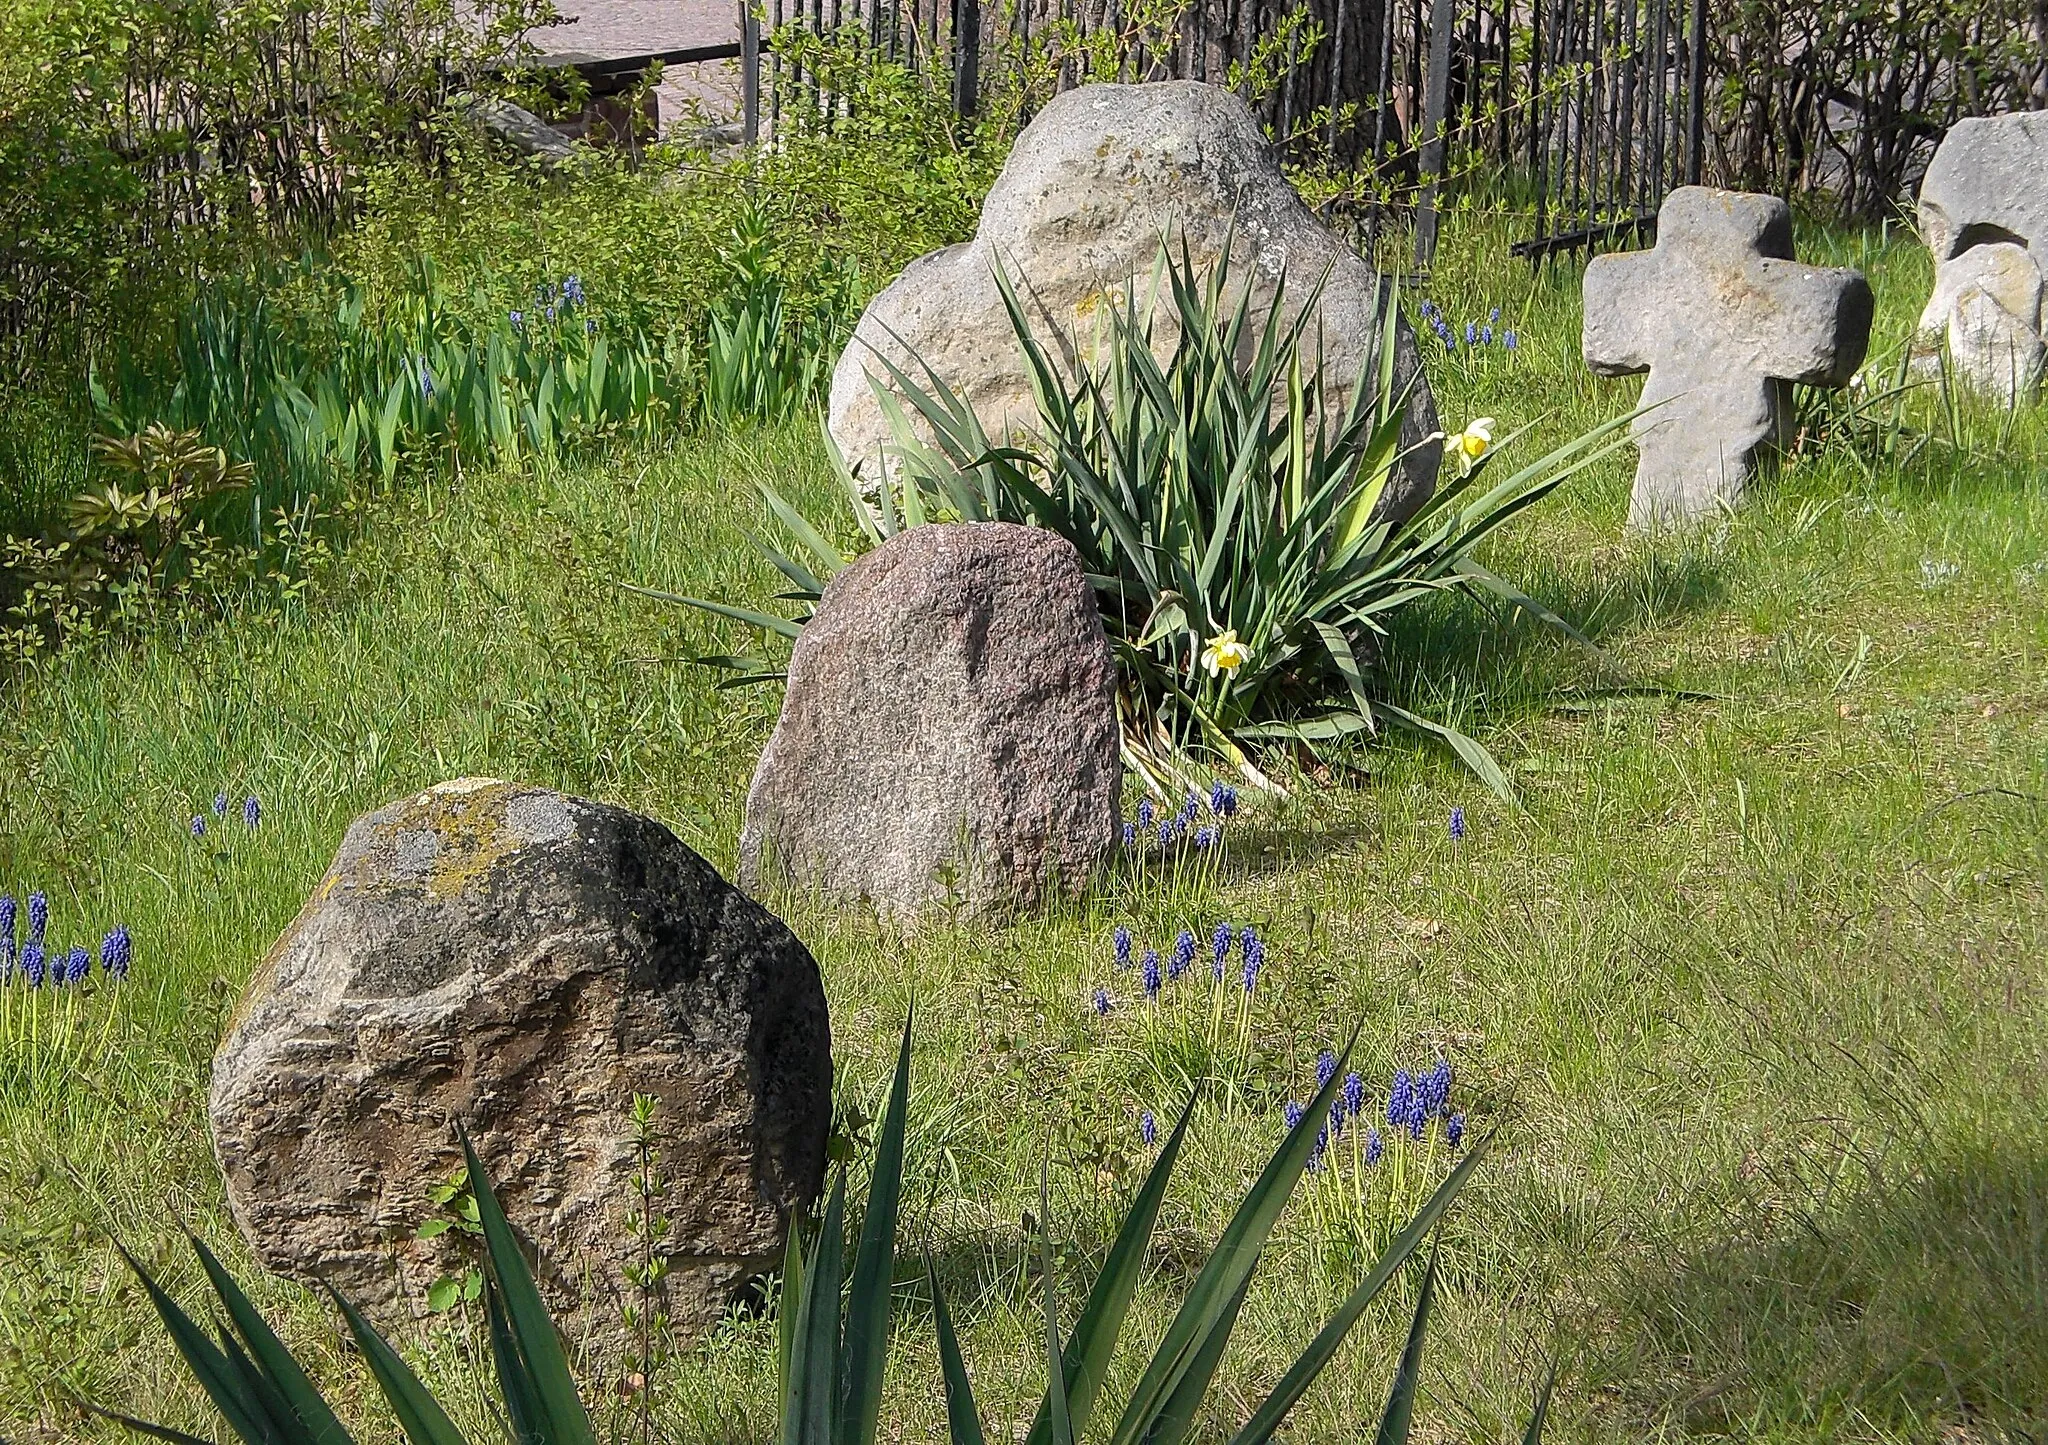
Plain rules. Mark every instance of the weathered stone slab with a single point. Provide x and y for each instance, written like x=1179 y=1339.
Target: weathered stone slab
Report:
x=1077 y=215
x=1984 y=215
x=1722 y=317
x=523 y=963
x=1988 y=181
x=949 y=726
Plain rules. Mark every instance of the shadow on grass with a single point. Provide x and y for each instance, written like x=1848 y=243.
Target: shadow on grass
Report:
x=1918 y=1306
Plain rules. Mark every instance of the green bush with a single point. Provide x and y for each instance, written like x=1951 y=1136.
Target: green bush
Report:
x=1230 y=526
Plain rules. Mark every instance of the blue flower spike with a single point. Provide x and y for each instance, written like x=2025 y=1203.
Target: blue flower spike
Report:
x=38 y=915
x=252 y=812
x=1102 y=1003
x=1150 y=968
x=1219 y=948
x=1121 y=944
x=1183 y=954
x=117 y=951
x=1148 y=1128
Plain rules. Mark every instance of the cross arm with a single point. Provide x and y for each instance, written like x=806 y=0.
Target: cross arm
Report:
x=1621 y=292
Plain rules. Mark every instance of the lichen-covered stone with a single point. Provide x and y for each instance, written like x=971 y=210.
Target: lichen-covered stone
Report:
x=522 y=963
x=949 y=726
x=1077 y=215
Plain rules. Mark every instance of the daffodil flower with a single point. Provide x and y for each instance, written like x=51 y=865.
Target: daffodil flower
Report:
x=1470 y=444
x=1225 y=653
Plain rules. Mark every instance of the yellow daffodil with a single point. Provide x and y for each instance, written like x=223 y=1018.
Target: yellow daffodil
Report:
x=1471 y=444
x=1225 y=653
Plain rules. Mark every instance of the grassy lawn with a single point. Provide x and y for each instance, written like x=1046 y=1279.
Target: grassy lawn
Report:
x=1750 y=994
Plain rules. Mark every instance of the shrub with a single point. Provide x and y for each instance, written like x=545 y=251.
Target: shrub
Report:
x=1229 y=523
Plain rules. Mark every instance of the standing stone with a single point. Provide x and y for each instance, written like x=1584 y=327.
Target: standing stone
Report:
x=1988 y=181
x=1984 y=216
x=523 y=963
x=1077 y=215
x=949 y=726
x=1723 y=318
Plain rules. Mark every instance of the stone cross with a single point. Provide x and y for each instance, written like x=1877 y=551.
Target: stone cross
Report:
x=1724 y=320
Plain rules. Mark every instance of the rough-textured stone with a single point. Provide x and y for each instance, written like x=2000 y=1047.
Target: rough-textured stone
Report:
x=1722 y=317
x=1988 y=181
x=1986 y=313
x=1984 y=215
x=1076 y=215
x=949 y=723
x=522 y=963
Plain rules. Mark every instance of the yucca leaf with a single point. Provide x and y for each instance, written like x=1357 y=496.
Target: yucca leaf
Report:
x=1321 y=1350
x=540 y=1347
x=766 y=621
x=819 y=1346
x=1093 y=1342
x=1229 y=1265
x=217 y=1376
x=963 y=1420
x=419 y=1414
x=144 y=1427
x=791 y=1337
x=1177 y=1416
x=1534 y=1434
x=523 y=1410
x=1400 y=1412
x=866 y=1349
x=1059 y=1422
x=1468 y=749
x=294 y=1387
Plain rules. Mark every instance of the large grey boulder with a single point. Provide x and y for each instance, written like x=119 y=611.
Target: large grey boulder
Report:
x=1988 y=181
x=1721 y=316
x=1077 y=214
x=949 y=726
x=522 y=963
x=1984 y=216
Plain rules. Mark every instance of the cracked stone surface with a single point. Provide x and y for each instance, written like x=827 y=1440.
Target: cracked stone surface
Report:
x=1722 y=317
x=1100 y=174
x=522 y=962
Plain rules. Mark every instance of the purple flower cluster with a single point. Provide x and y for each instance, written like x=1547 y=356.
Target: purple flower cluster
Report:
x=1412 y=1101
x=252 y=814
x=1476 y=333
x=1457 y=824
x=30 y=957
x=1155 y=973
x=1187 y=822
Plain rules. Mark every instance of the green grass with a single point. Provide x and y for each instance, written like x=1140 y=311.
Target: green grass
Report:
x=1752 y=990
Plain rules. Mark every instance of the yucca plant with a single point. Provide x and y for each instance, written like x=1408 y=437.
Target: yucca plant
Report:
x=834 y=1331
x=266 y=1397
x=1226 y=510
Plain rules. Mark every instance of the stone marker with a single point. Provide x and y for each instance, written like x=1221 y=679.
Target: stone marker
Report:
x=523 y=963
x=1722 y=318
x=1078 y=214
x=1984 y=215
x=949 y=724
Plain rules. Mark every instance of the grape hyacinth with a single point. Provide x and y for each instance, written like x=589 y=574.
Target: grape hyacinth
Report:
x=38 y=916
x=1326 y=1068
x=252 y=812
x=1353 y=1096
x=220 y=805
x=1223 y=800
x=1150 y=968
x=6 y=936
x=1318 y=1150
x=1374 y=1146
x=1292 y=1114
x=1454 y=1130
x=1438 y=1096
x=1400 y=1099
x=1183 y=954
x=1130 y=834
x=1254 y=950
x=1121 y=942
x=77 y=963
x=1457 y=823
x=1220 y=948
x=1205 y=837
x=117 y=951
x=1145 y=813
x=32 y=964
x=197 y=826
x=1102 y=1004
x=1148 y=1128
